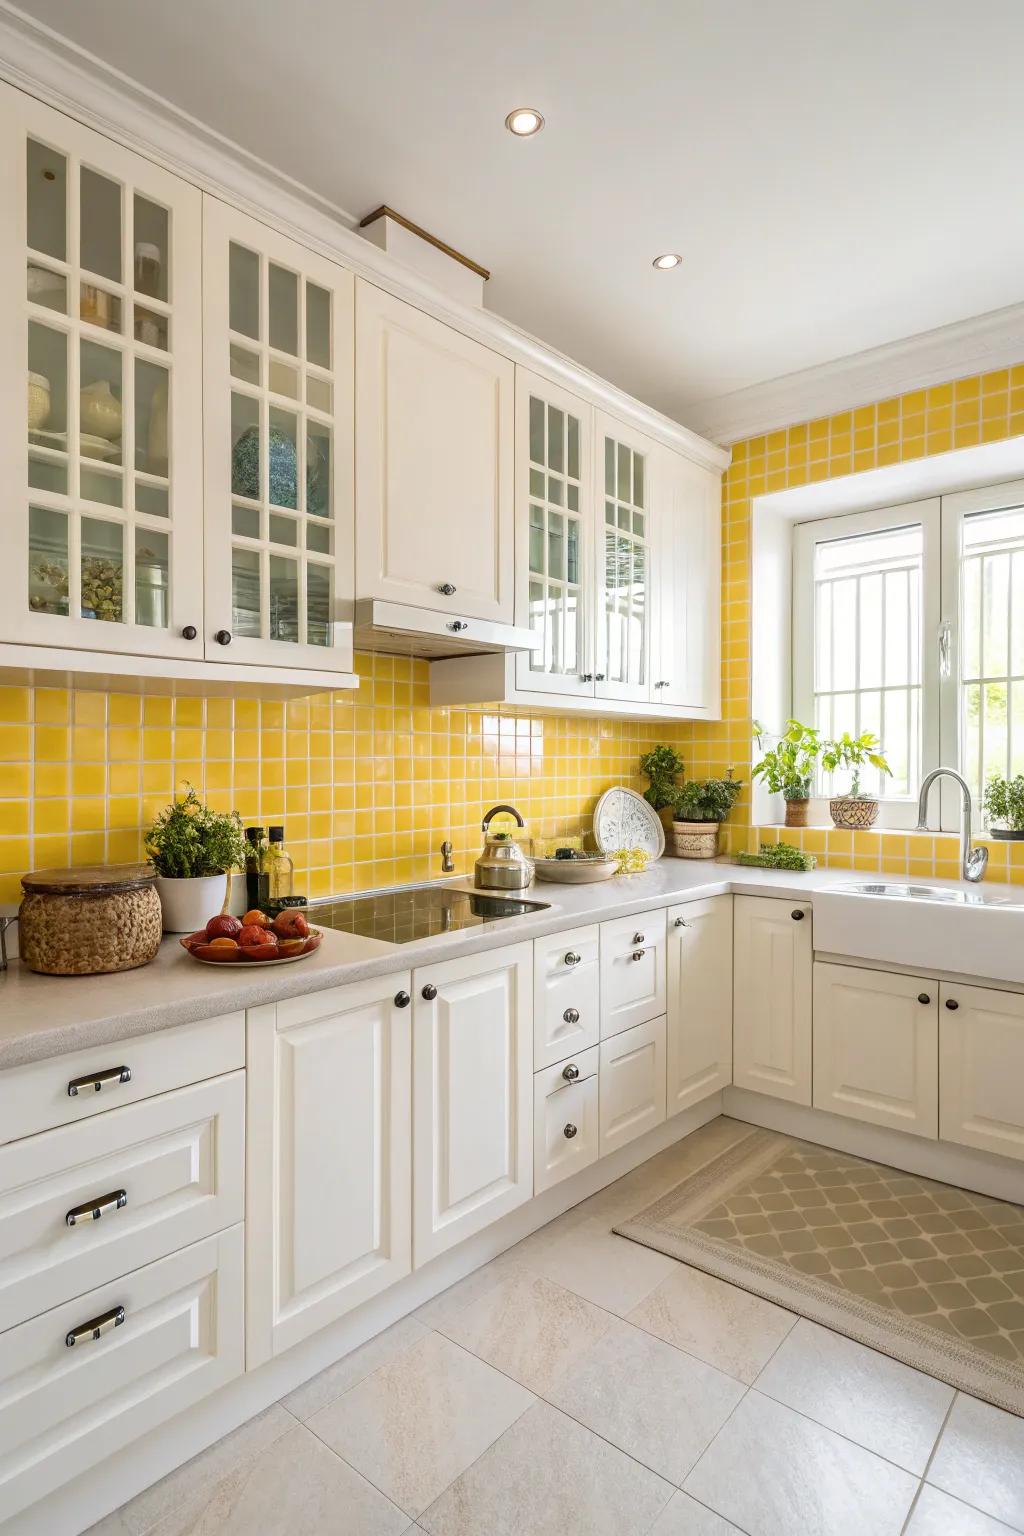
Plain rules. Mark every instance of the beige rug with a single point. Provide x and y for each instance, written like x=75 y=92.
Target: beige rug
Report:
x=927 y=1273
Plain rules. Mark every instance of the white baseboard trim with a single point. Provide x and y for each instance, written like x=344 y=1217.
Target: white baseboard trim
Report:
x=1000 y=1177
x=70 y=1510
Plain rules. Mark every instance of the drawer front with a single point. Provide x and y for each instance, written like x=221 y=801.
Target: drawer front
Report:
x=39 y=1096
x=162 y=1175
x=64 y=1408
x=632 y=1084
x=566 y=993
x=565 y=1119
x=632 y=971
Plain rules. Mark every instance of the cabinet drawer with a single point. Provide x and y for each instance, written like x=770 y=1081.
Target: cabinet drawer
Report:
x=632 y=971
x=565 y=1119
x=163 y=1174
x=39 y=1096
x=566 y=992
x=64 y=1408
x=632 y=1084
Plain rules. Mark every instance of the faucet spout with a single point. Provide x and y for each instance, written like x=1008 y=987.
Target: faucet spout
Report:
x=973 y=861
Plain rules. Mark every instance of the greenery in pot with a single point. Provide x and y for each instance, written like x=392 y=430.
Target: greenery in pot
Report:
x=854 y=753
x=662 y=765
x=706 y=799
x=788 y=768
x=188 y=841
x=1004 y=802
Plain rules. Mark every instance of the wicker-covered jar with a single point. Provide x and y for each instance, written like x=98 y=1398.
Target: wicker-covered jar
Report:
x=88 y=921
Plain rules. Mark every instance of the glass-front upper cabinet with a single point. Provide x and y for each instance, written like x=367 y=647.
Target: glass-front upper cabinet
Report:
x=100 y=358
x=624 y=576
x=278 y=344
x=554 y=517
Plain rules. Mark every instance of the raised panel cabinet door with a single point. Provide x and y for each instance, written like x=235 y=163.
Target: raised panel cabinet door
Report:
x=328 y=1157
x=566 y=1127
x=472 y=1095
x=772 y=951
x=981 y=1068
x=277 y=348
x=698 y=1046
x=628 y=496
x=434 y=463
x=100 y=392
x=686 y=662
x=632 y=971
x=566 y=994
x=632 y=1084
x=876 y=1047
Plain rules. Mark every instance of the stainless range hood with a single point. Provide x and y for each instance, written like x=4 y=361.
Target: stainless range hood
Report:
x=400 y=629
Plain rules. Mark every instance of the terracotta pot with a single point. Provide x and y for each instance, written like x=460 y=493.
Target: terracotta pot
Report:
x=796 y=813
x=695 y=839
x=855 y=815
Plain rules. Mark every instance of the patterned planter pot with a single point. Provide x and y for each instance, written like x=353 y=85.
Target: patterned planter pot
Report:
x=796 y=813
x=695 y=839
x=853 y=815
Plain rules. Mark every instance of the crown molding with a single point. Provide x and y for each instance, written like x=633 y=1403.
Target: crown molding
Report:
x=993 y=340
x=56 y=71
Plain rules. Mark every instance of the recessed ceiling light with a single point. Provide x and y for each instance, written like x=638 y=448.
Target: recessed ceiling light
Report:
x=524 y=121
x=667 y=262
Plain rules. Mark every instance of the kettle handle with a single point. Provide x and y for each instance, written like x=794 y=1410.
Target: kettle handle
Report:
x=498 y=810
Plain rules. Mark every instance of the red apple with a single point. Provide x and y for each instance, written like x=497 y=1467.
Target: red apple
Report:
x=252 y=934
x=290 y=924
x=223 y=926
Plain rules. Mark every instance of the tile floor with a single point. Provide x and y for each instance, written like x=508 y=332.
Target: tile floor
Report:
x=584 y=1386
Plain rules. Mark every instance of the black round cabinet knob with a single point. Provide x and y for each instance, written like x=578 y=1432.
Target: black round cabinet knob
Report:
x=429 y=992
x=189 y=632
x=402 y=999
x=223 y=637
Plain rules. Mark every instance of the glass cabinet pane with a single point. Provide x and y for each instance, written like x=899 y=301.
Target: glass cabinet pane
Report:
x=318 y=469
x=151 y=257
x=47 y=561
x=152 y=578
x=100 y=225
x=244 y=291
x=555 y=537
x=284 y=310
x=246 y=605
x=100 y=412
x=318 y=604
x=318 y=327
x=47 y=199
x=151 y=408
x=284 y=465
x=625 y=600
x=102 y=593
x=284 y=599
x=245 y=446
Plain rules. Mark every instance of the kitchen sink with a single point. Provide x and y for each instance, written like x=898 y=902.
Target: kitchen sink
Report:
x=983 y=898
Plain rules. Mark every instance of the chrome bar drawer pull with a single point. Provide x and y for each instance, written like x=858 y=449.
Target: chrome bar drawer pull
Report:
x=98 y=1080
x=92 y=1210
x=94 y=1330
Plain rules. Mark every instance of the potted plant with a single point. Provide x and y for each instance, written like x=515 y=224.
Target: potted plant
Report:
x=700 y=807
x=787 y=769
x=194 y=851
x=854 y=811
x=662 y=765
x=1004 y=803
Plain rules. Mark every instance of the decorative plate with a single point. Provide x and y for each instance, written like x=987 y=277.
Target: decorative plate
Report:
x=623 y=819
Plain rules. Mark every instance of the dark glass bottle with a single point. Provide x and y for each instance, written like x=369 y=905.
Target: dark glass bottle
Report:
x=253 y=861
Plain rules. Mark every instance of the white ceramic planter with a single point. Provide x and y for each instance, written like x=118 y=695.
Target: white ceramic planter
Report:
x=188 y=905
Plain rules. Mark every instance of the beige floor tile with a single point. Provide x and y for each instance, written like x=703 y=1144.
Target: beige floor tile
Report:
x=730 y=1329
x=980 y=1459
x=530 y=1328
x=658 y=1405
x=638 y=1189
x=587 y=1258
x=356 y=1366
x=936 y=1514
x=683 y=1516
x=774 y=1473
x=443 y=1308
x=419 y=1421
x=548 y=1476
x=296 y=1488
x=878 y=1402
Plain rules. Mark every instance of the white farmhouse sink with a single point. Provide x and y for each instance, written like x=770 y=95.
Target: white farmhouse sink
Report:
x=973 y=931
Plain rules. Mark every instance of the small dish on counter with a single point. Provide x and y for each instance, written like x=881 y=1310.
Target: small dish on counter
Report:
x=581 y=869
x=207 y=955
x=254 y=939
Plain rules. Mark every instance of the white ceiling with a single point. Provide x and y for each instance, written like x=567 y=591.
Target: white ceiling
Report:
x=836 y=175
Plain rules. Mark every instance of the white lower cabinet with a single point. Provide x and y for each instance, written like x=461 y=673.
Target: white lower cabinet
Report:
x=698 y=1046
x=632 y=1086
x=632 y=971
x=472 y=1095
x=772 y=949
x=328 y=1157
x=981 y=1068
x=82 y=1381
x=876 y=1047
x=565 y=1119
x=566 y=995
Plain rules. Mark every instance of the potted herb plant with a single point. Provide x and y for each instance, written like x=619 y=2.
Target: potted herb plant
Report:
x=700 y=808
x=1004 y=804
x=788 y=768
x=854 y=811
x=194 y=851
x=662 y=765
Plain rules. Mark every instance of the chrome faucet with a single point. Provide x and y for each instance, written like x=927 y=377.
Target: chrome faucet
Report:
x=447 y=862
x=973 y=861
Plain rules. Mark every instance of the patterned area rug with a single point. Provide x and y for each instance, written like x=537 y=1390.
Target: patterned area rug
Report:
x=925 y=1272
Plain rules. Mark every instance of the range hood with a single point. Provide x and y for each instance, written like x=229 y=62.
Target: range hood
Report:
x=401 y=629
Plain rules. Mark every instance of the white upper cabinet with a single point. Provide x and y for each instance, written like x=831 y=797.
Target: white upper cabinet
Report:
x=434 y=463
x=278 y=398
x=687 y=588
x=625 y=519
x=100 y=392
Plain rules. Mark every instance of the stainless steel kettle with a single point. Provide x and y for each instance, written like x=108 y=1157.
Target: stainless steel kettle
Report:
x=503 y=866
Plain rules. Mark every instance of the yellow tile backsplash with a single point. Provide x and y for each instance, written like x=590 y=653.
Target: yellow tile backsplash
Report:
x=959 y=414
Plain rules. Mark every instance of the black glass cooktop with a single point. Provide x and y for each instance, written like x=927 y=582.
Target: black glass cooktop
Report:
x=400 y=917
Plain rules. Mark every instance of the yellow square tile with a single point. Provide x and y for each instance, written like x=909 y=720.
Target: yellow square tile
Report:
x=14 y=818
x=156 y=711
x=14 y=855
x=88 y=744
x=125 y=709
x=15 y=743
x=88 y=815
x=88 y=848
x=125 y=743
x=52 y=706
x=188 y=712
x=15 y=705
x=15 y=780
x=90 y=709
x=123 y=778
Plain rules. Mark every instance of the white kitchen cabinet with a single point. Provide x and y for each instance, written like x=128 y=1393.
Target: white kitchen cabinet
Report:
x=101 y=333
x=687 y=587
x=566 y=1126
x=632 y=971
x=472 y=1095
x=328 y=1157
x=981 y=1068
x=876 y=1047
x=632 y=1084
x=772 y=950
x=434 y=463
x=278 y=347
x=566 y=994
x=698 y=1053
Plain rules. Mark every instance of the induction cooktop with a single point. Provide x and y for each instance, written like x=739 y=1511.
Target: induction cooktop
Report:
x=418 y=912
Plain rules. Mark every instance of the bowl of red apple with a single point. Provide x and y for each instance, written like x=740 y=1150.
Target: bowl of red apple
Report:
x=228 y=940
